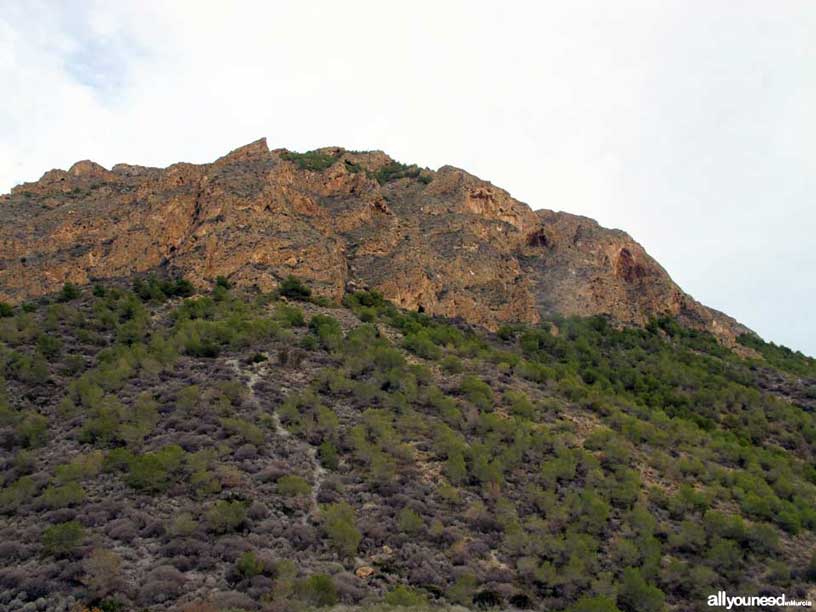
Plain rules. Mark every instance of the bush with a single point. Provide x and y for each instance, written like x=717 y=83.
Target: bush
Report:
x=462 y=590
x=224 y=516
x=452 y=364
x=69 y=292
x=339 y=525
x=328 y=455
x=318 y=591
x=289 y=314
x=6 y=310
x=293 y=486
x=421 y=344
x=29 y=369
x=248 y=565
x=393 y=171
x=248 y=431
x=292 y=288
x=32 y=432
x=327 y=329
x=594 y=604
x=154 y=472
x=146 y=473
x=69 y=494
x=13 y=496
x=520 y=404
x=405 y=596
x=410 y=522
x=63 y=538
x=102 y=573
x=183 y=525
x=456 y=468
x=477 y=392
x=159 y=290
x=311 y=160
x=636 y=595
x=222 y=282
x=49 y=346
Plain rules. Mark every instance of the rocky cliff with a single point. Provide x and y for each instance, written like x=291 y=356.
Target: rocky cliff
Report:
x=443 y=242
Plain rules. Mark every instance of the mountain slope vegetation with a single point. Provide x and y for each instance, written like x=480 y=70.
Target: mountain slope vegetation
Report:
x=168 y=448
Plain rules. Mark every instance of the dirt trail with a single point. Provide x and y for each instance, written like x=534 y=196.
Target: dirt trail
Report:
x=253 y=373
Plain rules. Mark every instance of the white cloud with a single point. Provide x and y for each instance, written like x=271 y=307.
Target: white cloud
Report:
x=688 y=124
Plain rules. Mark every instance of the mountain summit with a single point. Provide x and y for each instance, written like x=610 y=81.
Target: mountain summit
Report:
x=175 y=439
x=445 y=243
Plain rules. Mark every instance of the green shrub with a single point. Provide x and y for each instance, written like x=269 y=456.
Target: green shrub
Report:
x=327 y=329
x=69 y=494
x=328 y=455
x=636 y=595
x=318 y=590
x=225 y=516
x=248 y=431
x=402 y=595
x=292 y=288
x=421 y=344
x=69 y=292
x=520 y=404
x=49 y=346
x=248 y=565
x=452 y=364
x=462 y=590
x=204 y=483
x=16 y=494
x=477 y=392
x=117 y=460
x=393 y=171
x=152 y=288
x=456 y=468
x=183 y=525
x=598 y=603
x=29 y=369
x=309 y=342
x=311 y=160
x=339 y=525
x=290 y=315
x=222 y=282
x=154 y=472
x=63 y=538
x=6 y=310
x=410 y=522
x=102 y=428
x=388 y=358
x=293 y=486
x=32 y=432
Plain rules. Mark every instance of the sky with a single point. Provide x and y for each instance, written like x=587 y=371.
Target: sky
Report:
x=687 y=123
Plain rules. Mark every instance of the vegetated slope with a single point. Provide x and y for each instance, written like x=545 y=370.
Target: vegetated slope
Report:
x=237 y=450
x=442 y=242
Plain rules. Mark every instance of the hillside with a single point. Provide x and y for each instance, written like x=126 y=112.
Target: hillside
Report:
x=168 y=447
x=441 y=242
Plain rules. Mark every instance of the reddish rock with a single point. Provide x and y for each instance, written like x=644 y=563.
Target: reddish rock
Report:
x=444 y=242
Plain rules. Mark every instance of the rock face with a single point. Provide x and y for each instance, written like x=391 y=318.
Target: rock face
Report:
x=443 y=242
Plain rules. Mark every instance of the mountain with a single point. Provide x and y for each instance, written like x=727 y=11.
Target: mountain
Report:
x=445 y=243
x=290 y=381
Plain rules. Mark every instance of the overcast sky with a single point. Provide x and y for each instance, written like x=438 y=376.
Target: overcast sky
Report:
x=688 y=123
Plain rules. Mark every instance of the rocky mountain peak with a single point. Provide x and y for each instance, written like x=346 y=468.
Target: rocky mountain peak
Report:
x=444 y=242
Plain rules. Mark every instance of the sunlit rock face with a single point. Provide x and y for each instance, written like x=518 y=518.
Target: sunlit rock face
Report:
x=444 y=242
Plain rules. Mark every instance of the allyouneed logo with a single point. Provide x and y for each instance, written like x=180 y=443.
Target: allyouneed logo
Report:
x=723 y=600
